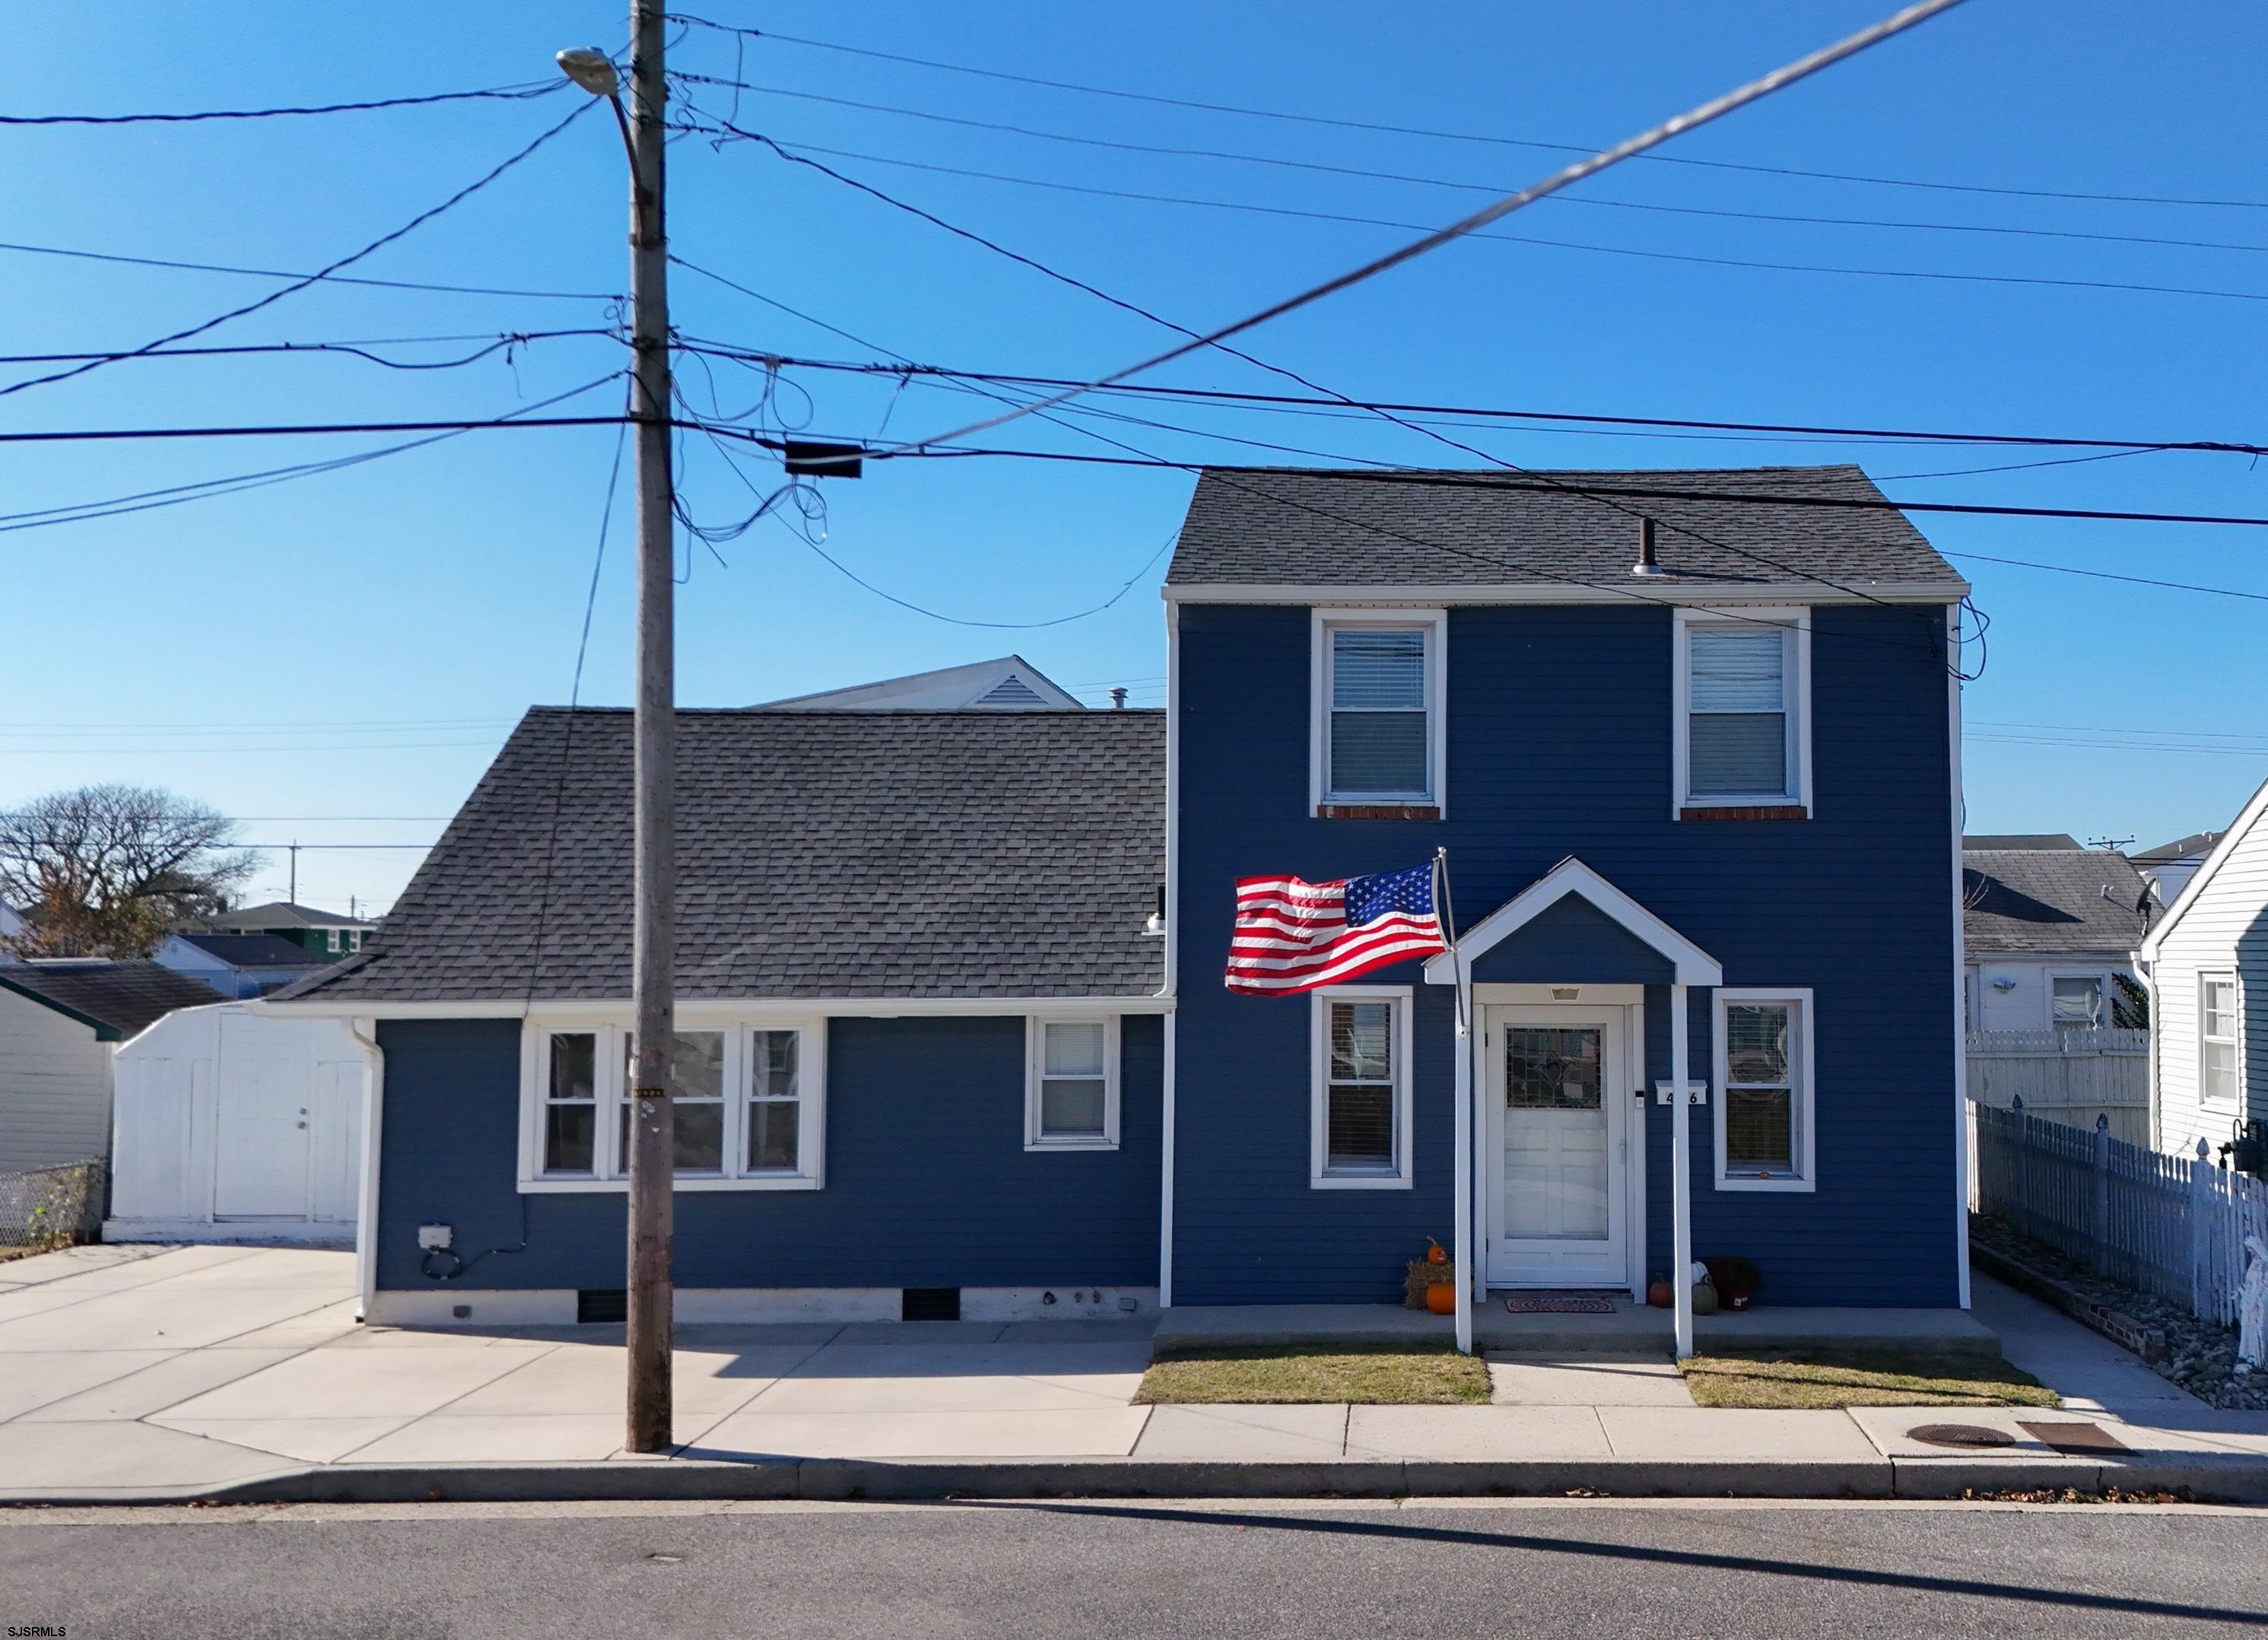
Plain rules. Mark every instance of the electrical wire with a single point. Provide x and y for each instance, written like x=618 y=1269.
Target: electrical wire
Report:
x=1468 y=137
x=521 y=92
x=495 y=342
x=273 y=296
x=1366 y=174
x=327 y=279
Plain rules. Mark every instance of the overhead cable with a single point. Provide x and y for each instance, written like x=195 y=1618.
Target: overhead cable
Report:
x=498 y=93
x=327 y=278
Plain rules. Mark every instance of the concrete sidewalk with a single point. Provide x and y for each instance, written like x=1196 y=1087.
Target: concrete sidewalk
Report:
x=152 y=1374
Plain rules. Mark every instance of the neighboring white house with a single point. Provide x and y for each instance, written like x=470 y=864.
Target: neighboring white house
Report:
x=2048 y=928
x=239 y=965
x=1010 y=683
x=232 y=1124
x=60 y=1022
x=2206 y=963
x=2168 y=867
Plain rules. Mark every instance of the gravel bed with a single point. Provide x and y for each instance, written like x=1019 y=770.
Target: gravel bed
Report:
x=2200 y=1355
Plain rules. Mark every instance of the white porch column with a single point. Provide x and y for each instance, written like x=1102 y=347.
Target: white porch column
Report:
x=1467 y=1266
x=1681 y=1174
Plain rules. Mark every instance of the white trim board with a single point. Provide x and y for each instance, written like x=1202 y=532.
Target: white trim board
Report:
x=1691 y=964
x=704 y=1010
x=1649 y=592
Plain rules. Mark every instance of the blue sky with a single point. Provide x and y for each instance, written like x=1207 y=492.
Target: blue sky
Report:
x=356 y=644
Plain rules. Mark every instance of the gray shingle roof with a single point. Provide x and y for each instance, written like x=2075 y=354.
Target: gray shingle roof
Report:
x=118 y=999
x=284 y=914
x=820 y=854
x=254 y=950
x=2050 y=900
x=1436 y=527
x=2018 y=839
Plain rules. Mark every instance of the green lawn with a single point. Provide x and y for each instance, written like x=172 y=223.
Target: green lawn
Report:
x=1372 y=1374
x=1861 y=1378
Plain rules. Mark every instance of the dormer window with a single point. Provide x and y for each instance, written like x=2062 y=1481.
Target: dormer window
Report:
x=1377 y=734
x=1743 y=713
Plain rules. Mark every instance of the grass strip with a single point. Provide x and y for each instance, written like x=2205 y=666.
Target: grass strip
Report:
x=1371 y=1375
x=1861 y=1378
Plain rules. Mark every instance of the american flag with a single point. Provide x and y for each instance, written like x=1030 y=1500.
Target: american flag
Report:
x=1292 y=936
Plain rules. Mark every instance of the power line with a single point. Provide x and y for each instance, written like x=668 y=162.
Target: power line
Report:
x=2134 y=581
x=1467 y=137
x=497 y=343
x=1546 y=241
x=1367 y=174
x=79 y=435
x=1234 y=399
x=500 y=94
x=468 y=191
x=329 y=278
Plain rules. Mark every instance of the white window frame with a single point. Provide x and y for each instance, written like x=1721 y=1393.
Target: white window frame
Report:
x=334 y=940
x=1803 y=1102
x=1435 y=625
x=611 y=1090
x=1036 y=1067
x=1796 y=680
x=2102 y=978
x=2235 y=1040
x=1320 y=1176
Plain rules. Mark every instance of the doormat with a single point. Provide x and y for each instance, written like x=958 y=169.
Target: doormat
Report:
x=1558 y=1303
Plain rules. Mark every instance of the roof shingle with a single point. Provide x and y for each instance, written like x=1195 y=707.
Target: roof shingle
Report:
x=2050 y=900
x=120 y=998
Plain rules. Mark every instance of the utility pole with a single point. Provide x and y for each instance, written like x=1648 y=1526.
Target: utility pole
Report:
x=653 y=1124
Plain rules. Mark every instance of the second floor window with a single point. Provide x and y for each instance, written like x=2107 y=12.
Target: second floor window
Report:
x=1377 y=728
x=1742 y=683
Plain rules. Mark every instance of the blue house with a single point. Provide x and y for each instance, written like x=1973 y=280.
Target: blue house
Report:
x=1688 y=739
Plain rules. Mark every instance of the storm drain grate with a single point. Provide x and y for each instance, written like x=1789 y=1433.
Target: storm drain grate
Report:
x=1962 y=1437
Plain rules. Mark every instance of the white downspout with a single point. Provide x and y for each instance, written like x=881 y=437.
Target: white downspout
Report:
x=366 y=1031
x=1680 y=1172
x=1467 y=1262
x=1960 y=963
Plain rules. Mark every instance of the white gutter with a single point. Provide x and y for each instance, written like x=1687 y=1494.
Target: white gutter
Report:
x=1960 y=805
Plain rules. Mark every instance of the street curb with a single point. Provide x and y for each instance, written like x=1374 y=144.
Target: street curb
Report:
x=2219 y=1477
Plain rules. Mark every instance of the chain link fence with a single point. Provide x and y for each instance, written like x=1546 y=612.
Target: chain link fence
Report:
x=52 y=1207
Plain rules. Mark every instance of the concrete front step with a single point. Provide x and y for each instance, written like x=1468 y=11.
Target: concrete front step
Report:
x=1629 y=1329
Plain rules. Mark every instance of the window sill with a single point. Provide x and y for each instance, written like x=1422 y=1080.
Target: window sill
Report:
x=1359 y=1181
x=1031 y=1145
x=1377 y=811
x=1784 y=1185
x=702 y=1183
x=1746 y=811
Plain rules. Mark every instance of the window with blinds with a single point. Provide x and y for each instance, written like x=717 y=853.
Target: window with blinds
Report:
x=1378 y=738
x=1361 y=1116
x=1743 y=699
x=1763 y=1091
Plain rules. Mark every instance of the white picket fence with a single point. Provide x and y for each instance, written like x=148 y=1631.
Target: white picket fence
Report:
x=2169 y=1225
x=2072 y=1076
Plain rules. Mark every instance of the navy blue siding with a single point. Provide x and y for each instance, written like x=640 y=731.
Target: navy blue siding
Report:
x=928 y=1182
x=1572 y=937
x=1559 y=743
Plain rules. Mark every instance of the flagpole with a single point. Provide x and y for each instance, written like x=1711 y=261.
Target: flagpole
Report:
x=1466 y=1264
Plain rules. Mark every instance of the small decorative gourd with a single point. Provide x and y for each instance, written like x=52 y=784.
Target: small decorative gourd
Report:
x=1435 y=1253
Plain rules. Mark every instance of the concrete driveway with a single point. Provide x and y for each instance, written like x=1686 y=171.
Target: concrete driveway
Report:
x=138 y=1367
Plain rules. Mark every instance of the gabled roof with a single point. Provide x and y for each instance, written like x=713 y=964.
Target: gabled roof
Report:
x=1448 y=529
x=818 y=854
x=252 y=950
x=284 y=914
x=2046 y=900
x=1571 y=877
x=117 y=999
x=2197 y=845
x=2202 y=878
x=1010 y=683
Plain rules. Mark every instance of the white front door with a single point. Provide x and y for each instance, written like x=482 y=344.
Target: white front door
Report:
x=264 y=1102
x=1557 y=1098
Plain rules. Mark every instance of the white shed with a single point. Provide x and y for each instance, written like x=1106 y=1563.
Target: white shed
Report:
x=61 y=1019
x=2206 y=963
x=235 y=1125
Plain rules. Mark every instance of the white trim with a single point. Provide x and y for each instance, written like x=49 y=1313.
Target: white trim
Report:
x=1959 y=804
x=1680 y=1177
x=1692 y=964
x=1036 y=1033
x=1166 y=1092
x=1795 y=700
x=609 y=1092
x=373 y=1130
x=1438 y=595
x=707 y=1012
x=1319 y=1046
x=1435 y=625
x=2235 y=981
x=1803 y=1099
x=2103 y=992
x=2194 y=889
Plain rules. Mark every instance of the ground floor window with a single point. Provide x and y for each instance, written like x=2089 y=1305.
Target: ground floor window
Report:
x=2076 y=1001
x=1071 y=1085
x=747 y=1107
x=1764 y=1104
x=2217 y=1039
x=1360 y=1087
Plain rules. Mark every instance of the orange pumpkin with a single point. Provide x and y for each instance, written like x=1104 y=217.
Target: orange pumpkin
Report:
x=1435 y=1253
x=1441 y=1299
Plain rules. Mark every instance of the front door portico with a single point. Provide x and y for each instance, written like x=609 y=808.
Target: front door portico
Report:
x=1555 y=1153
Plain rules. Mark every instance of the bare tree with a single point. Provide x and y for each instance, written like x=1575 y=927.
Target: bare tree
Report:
x=109 y=870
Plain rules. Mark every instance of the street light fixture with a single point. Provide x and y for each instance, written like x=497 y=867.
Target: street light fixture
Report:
x=590 y=68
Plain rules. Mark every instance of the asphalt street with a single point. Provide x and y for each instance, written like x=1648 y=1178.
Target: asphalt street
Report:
x=1107 y=1570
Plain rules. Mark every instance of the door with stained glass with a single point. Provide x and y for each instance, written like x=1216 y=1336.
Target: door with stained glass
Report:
x=1558 y=1098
